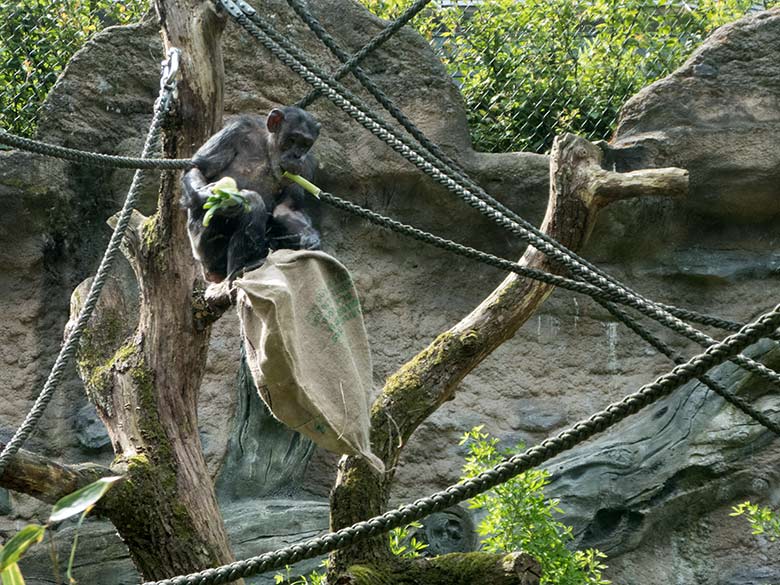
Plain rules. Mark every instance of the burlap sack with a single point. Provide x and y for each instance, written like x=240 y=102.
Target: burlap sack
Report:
x=307 y=348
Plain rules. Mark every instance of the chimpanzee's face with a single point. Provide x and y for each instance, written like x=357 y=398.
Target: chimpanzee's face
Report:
x=294 y=136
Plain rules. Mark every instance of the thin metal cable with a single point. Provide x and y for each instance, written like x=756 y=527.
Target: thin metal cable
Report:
x=93 y=158
x=347 y=101
x=70 y=345
x=533 y=457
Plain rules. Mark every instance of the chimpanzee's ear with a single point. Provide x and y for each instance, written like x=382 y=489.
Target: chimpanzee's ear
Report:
x=274 y=120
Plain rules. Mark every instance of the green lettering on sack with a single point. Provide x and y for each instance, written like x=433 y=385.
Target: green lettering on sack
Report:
x=333 y=307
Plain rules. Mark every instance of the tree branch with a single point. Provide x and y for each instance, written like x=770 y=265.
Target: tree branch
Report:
x=516 y=568
x=579 y=188
x=45 y=479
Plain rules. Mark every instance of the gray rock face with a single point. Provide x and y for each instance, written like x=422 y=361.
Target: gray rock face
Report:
x=716 y=115
x=655 y=493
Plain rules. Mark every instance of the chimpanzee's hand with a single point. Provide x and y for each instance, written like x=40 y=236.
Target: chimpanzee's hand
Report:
x=224 y=199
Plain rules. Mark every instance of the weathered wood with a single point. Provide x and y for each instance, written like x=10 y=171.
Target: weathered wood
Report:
x=47 y=480
x=516 y=568
x=579 y=188
x=145 y=385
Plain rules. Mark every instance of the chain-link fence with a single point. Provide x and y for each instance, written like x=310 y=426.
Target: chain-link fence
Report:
x=531 y=69
x=37 y=39
x=528 y=69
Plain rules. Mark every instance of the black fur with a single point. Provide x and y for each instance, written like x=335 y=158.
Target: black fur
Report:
x=253 y=150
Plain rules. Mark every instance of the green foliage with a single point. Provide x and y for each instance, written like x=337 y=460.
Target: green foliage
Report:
x=761 y=518
x=38 y=39
x=313 y=578
x=403 y=542
x=531 y=69
x=224 y=195
x=20 y=542
x=82 y=500
x=79 y=502
x=12 y=575
x=518 y=516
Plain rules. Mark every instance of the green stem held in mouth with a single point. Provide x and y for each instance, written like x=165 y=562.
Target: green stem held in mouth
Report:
x=310 y=187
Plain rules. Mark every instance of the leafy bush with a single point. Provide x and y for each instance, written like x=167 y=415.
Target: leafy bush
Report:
x=518 y=516
x=38 y=39
x=761 y=518
x=531 y=69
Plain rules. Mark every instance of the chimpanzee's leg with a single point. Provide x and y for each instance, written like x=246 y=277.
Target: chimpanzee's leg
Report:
x=248 y=245
x=291 y=227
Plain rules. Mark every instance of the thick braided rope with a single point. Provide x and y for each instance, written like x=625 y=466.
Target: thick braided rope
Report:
x=533 y=457
x=329 y=41
x=70 y=346
x=351 y=62
x=737 y=401
x=93 y=158
x=595 y=293
x=354 y=107
x=99 y=159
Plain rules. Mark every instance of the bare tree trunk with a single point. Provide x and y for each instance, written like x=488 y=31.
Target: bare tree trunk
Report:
x=145 y=386
x=579 y=188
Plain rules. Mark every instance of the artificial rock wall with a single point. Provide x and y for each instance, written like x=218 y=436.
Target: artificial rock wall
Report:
x=654 y=494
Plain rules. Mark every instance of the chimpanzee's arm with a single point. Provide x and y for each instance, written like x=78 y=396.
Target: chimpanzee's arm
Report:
x=193 y=195
x=219 y=151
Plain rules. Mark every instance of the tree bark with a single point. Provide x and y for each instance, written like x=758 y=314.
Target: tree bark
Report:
x=145 y=385
x=579 y=188
x=47 y=480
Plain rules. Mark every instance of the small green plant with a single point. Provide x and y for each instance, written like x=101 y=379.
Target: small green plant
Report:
x=403 y=542
x=520 y=517
x=314 y=578
x=79 y=502
x=762 y=519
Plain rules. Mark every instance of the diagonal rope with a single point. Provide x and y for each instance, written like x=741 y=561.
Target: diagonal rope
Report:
x=533 y=457
x=100 y=159
x=595 y=293
x=353 y=106
x=730 y=397
x=351 y=62
x=70 y=346
x=329 y=41
x=435 y=151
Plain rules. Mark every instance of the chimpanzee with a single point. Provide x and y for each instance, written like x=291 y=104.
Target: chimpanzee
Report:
x=255 y=151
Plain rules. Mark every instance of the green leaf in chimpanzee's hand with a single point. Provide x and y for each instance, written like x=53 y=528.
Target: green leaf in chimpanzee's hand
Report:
x=225 y=193
x=19 y=543
x=81 y=500
x=225 y=185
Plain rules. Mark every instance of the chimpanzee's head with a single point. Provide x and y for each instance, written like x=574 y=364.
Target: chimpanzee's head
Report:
x=293 y=131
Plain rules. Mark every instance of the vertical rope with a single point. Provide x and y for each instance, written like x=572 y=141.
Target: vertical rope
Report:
x=70 y=346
